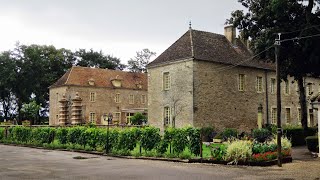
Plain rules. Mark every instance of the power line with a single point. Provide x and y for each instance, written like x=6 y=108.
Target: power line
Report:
x=298 y=38
x=290 y=32
x=239 y=63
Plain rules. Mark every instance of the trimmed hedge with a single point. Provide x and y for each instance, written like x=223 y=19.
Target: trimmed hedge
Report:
x=297 y=136
x=313 y=143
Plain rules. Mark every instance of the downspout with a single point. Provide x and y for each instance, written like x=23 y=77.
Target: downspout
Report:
x=267 y=97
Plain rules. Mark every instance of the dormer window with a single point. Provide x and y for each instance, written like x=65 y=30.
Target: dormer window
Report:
x=117 y=81
x=91 y=82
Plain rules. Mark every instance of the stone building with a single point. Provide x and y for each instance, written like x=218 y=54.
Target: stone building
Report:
x=102 y=91
x=208 y=79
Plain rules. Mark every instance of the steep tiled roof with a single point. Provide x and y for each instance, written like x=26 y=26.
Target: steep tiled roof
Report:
x=208 y=47
x=80 y=76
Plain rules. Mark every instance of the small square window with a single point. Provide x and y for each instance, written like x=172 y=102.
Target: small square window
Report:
x=241 y=82
x=274 y=116
x=131 y=99
x=92 y=117
x=259 y=84
x=166 y=81
x=117 y=98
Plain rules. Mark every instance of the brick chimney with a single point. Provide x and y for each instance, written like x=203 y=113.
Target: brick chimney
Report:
x=230 y=33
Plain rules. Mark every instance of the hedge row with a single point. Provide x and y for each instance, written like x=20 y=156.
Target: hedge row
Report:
x=125 y=140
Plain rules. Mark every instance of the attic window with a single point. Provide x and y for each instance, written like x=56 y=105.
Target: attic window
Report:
x=139 y=85
x=117 y=81
x=91 y=82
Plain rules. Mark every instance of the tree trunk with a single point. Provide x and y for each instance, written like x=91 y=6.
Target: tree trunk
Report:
x=19 y=120
x=303 y=104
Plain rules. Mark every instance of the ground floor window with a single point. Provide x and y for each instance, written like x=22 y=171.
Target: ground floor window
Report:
x=167 y=116
x=288 y=115
x=92 y=117
x=116 y=117
x=273 y=115
x=128 y=117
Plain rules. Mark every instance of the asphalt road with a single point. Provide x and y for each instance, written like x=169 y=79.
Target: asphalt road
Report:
x=30 y=163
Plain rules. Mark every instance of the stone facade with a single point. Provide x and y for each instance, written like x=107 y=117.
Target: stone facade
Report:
x=104 y=102
x=208 y=89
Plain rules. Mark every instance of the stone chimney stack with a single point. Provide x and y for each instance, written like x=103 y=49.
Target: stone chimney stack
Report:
x=230 y=33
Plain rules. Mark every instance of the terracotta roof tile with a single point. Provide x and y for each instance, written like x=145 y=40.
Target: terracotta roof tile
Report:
x=209 y=47
x=80 y=76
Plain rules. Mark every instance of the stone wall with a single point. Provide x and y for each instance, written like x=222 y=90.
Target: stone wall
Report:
x=181 y=92
x=104 y=101
x=219 y=103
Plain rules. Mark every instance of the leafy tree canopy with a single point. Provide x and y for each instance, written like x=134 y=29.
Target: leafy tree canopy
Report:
x=140 y=61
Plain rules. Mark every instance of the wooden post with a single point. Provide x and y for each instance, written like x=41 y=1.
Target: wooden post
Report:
x=201 y=155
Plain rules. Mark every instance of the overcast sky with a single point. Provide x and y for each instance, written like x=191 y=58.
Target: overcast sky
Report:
x=118 y=27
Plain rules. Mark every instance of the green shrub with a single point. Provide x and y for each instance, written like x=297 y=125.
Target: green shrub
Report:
x=138 y=119
x=43 y=135
x=91 y=137
x=285 y=143
x=2 y=131
x=127 y=140
x=179 y=140
x=74 y=135
x=218 y=151
x=313 y=143
x=229 y=133
x=296 y=134
x=238 y=150
x=207 y=133
x=259 y=148
x=150 y=138
x=261 y=135
x=21 y=134
x=62 y=135
x=194 y=140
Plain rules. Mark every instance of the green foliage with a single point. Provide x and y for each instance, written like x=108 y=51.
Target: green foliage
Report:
x=229 y=133
x=138 y=119
x=313 y=143
x=296 y=134
x=258 y=148
x=285 y=143
x=62 y=135
x=74 y=134
x=21 y=134
x=31 y=110
x=218 y=151
x=140 y=61
x=261 y=135
x=127 y=140
x=43 y=135
x=207 y=133
x=91 y=137
x=179 y=140
x=194 y=140
x=2 y=131
x=238 y=150
x=150 y=138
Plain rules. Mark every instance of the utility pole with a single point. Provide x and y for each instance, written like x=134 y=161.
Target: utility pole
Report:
x=279 y=129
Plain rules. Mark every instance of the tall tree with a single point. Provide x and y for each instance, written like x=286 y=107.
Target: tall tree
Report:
x=98 y=59
x=299 y=20
x=140 y=61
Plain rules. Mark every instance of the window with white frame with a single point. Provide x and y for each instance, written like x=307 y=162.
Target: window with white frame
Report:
x=286 y=88
x=116 y=117
x=299 y=115
x=143 y=99
x=117 y=98
x=166 y=81
x=273 y=115
x=128 y=117
x=167 y=116
x=92 y=96
x=131 y=99
x=288 y=115
x=241 y=82
x=259 y=84
x=92 y=117
x=273 y=85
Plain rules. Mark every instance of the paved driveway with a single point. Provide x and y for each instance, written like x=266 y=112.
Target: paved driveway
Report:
x=29 y=163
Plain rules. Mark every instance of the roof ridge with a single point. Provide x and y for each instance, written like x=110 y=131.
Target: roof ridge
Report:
x=69 y=75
